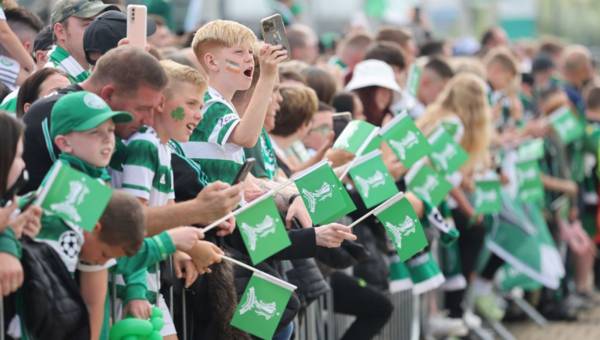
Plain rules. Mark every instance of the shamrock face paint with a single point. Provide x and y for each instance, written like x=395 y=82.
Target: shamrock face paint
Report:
x=178 y=114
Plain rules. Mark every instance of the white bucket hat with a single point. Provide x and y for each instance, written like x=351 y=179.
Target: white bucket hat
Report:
x=373 y=73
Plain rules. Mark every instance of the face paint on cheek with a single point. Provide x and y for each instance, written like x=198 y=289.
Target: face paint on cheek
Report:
x=233 y=66
x=178 y=114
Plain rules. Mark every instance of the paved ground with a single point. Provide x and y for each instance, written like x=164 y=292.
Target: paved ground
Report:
x=587 y=327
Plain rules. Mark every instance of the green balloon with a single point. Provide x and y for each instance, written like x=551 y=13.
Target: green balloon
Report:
x=130 y=329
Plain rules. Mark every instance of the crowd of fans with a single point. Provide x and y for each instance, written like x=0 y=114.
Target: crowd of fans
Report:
x=169 y=127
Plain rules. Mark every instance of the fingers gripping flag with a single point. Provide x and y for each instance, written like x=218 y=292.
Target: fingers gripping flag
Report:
x=324 y=195
x=372 y=179
x=262 y=230
x=405 y=139
x=262 y=306
x=73 y=196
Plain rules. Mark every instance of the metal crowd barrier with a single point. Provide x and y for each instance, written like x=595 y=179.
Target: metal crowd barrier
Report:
x=320 y=323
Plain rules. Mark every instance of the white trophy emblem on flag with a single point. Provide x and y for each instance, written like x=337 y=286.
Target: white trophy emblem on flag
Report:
x=377 y=180
x=483 y=196
x=443 y=157
x=425 y=190
x=264 y=309
x=318 y=195
x=405 y=143
x=526 y=175
x=77 y=192
x=267 y=226
x=407 y=227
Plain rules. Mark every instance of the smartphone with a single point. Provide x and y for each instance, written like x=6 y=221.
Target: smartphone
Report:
x=273 y=31
x=136 y=25
x=243 y=173
x=16 y=188
x=340 y=120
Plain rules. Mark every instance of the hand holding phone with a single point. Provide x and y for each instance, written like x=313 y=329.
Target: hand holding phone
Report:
x=243 y=173
x=136 y=25
x=273 y=32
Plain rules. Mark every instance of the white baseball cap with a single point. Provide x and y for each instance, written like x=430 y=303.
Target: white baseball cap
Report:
x=373 y=72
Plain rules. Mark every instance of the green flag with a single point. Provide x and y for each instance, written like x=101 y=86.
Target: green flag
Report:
x=414 y=79
x=487 y=197
x=354 y=135
x=75 y=197
x=372 y=179
x=567 y=125
x=424 y=273
x=405 y=139
x=447 y=155
x=529 y=181
x=261 y=307
x=262 y=230
x=531 y=149
x=510 y=278
x=374 y=144
x=428 y=184
x=323 y=194
x=522 y=239
x=403 y=228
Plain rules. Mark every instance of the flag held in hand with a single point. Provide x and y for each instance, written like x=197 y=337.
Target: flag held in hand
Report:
x=75 y=197
x=405 y=139
x=446 y=155
x=372 y=180
x=427 y=184
x=324 y=195
x=262 y=306
x=262 y=229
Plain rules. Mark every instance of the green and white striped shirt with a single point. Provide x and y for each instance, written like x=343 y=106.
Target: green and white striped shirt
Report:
x=147 y=171
x=209 y=144
x=59 y=58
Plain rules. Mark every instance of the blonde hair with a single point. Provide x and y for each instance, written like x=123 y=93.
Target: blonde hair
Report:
x=221 y=33
x=504 y=57
x=468 y=65
x=179 y=73
x=464 y=97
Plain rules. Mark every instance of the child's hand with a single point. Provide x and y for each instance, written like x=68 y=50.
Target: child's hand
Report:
x=140 y=309
x=205 y=254
x=184 y=268
x=226 y=227
x=269 y=57
x=5 y=214
x=184 y=238
x=27 y=222
x=11 y=274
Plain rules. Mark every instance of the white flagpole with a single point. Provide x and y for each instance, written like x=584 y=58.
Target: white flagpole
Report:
x=381 y=207
x=260 y=273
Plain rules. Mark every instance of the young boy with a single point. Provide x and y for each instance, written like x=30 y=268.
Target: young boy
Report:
x=225 y=51
x=82 y=126
x=147 y=172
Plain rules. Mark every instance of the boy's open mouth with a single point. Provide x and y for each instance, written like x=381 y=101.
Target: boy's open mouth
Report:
x=248 y=72
x=190 y=127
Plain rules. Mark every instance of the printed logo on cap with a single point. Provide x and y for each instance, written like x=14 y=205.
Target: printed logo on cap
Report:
x=93 y=101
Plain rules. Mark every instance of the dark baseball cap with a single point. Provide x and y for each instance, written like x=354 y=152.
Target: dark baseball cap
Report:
x=43 y=40
x=105 y=32
x=542 y=62
x=86 y=9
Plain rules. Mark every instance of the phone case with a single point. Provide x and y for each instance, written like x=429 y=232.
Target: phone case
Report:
x=273 y=31
x=136 y=25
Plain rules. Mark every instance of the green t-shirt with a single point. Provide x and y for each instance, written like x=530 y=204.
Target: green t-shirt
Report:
x=263 y=152
x=209 y=144
x=147 y=171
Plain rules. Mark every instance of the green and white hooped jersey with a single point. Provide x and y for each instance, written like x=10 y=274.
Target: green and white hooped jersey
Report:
x=147 y=171
x=59 y=58
x=209 y=144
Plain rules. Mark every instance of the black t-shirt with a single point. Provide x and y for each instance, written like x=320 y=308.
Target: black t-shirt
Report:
x=37 y=141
